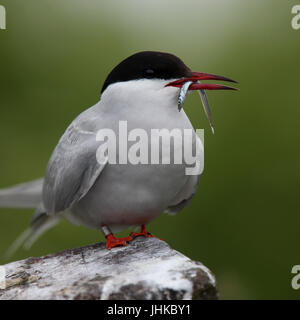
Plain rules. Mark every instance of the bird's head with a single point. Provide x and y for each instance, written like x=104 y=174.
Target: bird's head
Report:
x=167 y=71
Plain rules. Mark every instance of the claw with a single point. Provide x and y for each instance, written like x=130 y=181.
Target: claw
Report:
x=139 y=234
x=112 y=241
x=143 y=233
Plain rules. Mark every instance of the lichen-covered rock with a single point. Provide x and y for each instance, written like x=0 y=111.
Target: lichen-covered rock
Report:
x=146 y=269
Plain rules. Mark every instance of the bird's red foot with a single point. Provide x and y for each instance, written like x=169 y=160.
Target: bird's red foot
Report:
x=112 y=241
x=143 y=233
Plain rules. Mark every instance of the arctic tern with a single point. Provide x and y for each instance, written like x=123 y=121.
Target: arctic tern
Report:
x=147 y=90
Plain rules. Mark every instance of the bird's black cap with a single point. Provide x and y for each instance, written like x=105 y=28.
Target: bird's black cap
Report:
x=148 y=65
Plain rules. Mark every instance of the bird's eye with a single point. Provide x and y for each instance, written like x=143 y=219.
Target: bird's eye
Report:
x=149 y=71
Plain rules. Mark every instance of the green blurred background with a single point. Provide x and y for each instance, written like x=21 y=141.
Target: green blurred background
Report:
x=244 y=221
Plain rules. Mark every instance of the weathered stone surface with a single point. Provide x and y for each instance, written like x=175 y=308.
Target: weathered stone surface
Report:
x=147 y=269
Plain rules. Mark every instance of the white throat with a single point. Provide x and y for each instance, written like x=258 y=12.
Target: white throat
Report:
x=142 y=92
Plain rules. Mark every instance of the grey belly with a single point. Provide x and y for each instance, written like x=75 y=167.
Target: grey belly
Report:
x=127 y=195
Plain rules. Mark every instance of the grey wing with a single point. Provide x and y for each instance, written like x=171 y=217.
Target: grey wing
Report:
x=72 y=169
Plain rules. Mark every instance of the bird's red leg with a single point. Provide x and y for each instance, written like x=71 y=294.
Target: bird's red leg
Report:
x=143 y=233
x=112 y=241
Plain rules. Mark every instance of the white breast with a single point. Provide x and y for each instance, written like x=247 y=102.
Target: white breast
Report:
x=127 y=194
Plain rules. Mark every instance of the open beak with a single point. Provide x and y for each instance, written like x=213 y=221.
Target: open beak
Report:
x=193 y=83
x=197 y=76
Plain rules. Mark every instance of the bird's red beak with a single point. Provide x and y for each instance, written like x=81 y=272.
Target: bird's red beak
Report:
x=197 y=76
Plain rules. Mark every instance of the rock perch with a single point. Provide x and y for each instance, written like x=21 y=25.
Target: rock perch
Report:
x=147 y=269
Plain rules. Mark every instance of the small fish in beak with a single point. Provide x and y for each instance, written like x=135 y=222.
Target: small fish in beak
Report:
x=206 y=108
x=193 y=83
x=182 y=94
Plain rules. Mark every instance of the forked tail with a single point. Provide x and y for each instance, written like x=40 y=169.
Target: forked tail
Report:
x=27 y=195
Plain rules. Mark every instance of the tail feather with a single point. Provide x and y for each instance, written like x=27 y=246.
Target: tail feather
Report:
x=40 y=224
x=17 y=244
x=25 y=195
x=28 y=195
